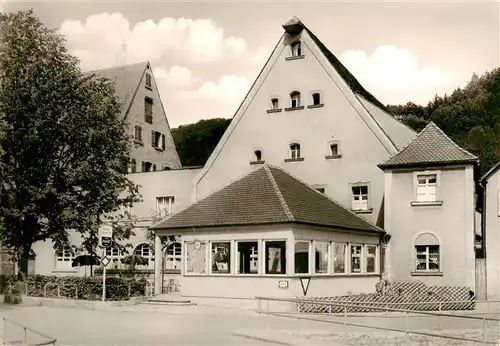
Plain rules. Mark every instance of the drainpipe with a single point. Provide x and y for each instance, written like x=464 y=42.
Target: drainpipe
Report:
x=483 y=221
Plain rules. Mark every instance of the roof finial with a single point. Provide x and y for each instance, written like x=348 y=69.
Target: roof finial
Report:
x=294 y=26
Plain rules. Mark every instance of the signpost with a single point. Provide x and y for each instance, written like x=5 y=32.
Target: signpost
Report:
x=105 y=240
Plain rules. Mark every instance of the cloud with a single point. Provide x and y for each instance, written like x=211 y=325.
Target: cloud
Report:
x=229 y=89
x=103 y=40
x=177 y=76
x=394 y=75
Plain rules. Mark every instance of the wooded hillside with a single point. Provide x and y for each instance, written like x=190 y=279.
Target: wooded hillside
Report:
x=470 y=116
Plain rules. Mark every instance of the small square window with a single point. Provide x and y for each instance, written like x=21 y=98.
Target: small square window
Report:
x=334 y=149
x=258 y=155
x=274 y=103
x=296 y=49
x=316 y=98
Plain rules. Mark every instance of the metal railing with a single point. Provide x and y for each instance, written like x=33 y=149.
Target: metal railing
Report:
x=15 y=333
x=407 y=331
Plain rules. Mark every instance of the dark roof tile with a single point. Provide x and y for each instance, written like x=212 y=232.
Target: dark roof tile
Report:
x=430 y=146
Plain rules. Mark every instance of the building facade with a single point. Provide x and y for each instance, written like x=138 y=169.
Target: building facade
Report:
x=491 y=230
x=308 y=117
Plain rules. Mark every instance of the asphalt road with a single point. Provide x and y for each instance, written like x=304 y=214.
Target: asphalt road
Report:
x=186 y=325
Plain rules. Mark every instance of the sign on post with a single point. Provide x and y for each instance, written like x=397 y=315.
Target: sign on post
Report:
x=105 y=235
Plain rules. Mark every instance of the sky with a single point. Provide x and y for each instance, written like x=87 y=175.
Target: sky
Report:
x=206 y=55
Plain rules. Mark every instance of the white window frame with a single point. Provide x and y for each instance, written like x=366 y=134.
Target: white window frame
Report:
x=346 y=257
x=328 y=256
x=185 y=257
x=139 y=250
x=160 y=201
x=297 y=48
x=173 y=256
x=376 y=257
x=356 y=205
x=256 y=257
x=115 y=256
x=498 y=198
x=436 y=241
x=263 y=256
x=64 y=257
x=295 y=151
x=418 y=186
x=295 y=97
x=230 y=264
x=361 y=261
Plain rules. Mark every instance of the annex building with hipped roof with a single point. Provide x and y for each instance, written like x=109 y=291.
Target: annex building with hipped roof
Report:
x=260 y=234
x=311 y=121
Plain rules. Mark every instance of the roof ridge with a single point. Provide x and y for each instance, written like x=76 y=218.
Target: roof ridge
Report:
x=451 y=140
x=327 y=197
x=387 y=112
x=278 y=192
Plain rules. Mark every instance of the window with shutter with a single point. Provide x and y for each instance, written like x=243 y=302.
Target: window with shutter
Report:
x=153 y=138
x=163 y=142
x=148 y=110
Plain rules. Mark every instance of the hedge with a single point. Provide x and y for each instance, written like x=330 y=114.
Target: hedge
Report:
x=74 y=287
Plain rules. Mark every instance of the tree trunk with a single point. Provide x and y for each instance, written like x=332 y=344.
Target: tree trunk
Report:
x=22 y=263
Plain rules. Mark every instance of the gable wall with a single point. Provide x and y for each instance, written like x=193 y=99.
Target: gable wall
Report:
x=312 y=128
x=135 y=116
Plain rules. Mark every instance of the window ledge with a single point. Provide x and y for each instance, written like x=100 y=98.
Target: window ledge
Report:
x=288 y=58
x=295 y=160
x=258 y=162
x=149 y=87
x=332 y=157
x=158 y=148
x=363 y=211
x=429 y=273
x=289 y=109
x=138 y=142
x=171 y=271
x=316 y=106
x=426 y=204
x=64 y=271
x=277 y=110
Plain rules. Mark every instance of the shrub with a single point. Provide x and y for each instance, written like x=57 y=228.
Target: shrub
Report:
x=75 y=287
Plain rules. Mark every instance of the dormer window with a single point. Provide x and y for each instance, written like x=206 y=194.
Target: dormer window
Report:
x=274 y=103
x=295 y=151
x=295 y=99
x=296 y=49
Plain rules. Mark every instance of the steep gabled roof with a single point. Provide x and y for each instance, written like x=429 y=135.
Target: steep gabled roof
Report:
x=346 y=75
x=267 y=195
x=490 y=172
x=430 y=146
x=126 y=78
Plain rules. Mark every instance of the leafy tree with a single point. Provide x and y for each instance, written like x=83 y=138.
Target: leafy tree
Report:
x=470 y=116
x=195 y=142
x=63 y=150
